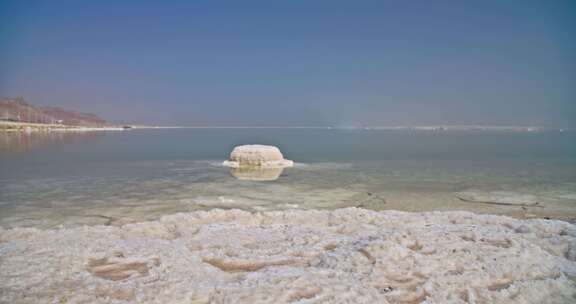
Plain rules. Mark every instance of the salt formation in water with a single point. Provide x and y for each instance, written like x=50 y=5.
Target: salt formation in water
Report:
x=342 y=256
x=257 y=156
x=257 y=162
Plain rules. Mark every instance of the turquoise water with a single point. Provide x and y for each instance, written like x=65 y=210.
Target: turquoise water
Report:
x=111 y=178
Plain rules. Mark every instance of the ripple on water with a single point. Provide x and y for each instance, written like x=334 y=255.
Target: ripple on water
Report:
x=189 y=186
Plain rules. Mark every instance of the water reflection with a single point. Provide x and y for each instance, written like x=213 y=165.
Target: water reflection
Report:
x=20 y=142
x=256 y=173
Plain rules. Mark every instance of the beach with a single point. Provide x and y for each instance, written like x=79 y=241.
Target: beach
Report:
x=342 y=256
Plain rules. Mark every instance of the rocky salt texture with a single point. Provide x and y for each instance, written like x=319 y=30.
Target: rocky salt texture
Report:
x=257 y=155
x=342 y=256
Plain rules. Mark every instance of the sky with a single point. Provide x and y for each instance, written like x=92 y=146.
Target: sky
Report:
x=297 y=62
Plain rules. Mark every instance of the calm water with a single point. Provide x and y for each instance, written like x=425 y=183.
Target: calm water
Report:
x=111 y=178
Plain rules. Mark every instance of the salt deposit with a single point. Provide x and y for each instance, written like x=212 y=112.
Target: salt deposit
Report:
x=342 y=256
x=257 y=155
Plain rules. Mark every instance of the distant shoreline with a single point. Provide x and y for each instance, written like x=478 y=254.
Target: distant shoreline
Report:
x=9 y=126
x=415 y=128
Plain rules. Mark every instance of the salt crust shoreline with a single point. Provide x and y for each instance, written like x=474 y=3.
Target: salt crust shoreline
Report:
x=299 y=256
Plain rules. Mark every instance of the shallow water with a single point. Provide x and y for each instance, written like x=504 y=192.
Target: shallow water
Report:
x=112 y=178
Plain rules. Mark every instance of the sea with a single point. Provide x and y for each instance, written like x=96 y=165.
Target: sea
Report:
x=64 y=179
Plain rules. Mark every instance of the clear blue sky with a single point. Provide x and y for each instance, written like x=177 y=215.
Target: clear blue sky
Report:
x=295 y=62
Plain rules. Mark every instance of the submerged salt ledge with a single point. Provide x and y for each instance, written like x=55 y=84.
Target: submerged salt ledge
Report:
x=343 y=256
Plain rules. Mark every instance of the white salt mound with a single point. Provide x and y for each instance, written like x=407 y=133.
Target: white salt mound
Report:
x=257 y=155
x=342 y=256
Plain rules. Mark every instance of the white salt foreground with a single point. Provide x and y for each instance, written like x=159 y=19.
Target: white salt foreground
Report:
x=342 y=256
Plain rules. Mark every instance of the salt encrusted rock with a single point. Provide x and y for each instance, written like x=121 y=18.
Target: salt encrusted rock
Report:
x=257 y=156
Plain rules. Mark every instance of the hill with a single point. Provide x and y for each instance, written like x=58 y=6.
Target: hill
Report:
x=17 y=109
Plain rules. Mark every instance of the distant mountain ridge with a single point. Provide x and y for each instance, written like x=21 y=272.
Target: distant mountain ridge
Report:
x=17 y=109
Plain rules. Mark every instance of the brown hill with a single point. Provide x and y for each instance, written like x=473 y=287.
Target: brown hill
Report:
x=16 y=109
x=72 y=117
